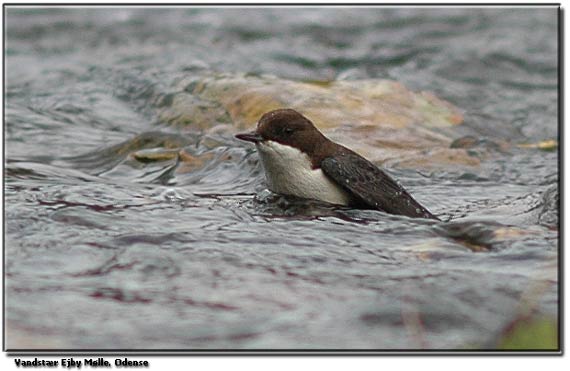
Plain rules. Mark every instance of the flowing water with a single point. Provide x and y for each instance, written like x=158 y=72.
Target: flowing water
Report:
x=105 y=252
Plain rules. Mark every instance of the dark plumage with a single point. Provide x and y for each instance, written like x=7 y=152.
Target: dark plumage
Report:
x=367 y=185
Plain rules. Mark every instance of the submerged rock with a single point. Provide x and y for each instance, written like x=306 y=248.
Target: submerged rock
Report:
x=481 y=236
x=380 y=119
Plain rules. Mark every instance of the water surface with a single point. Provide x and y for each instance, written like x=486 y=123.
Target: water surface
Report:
x=105 y=252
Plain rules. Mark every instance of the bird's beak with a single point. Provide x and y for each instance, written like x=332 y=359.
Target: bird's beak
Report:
x=252 y=136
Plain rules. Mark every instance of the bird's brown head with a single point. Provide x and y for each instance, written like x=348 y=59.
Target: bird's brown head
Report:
x=288 y=127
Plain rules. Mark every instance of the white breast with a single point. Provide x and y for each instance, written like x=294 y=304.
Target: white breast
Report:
x=289 y=171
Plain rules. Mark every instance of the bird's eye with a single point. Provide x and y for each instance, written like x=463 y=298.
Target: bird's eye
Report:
x=288 y=131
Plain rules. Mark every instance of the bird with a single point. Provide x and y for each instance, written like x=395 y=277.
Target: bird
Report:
x=298 y=160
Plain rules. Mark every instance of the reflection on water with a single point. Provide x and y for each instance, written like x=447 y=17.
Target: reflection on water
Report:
x=134 y=233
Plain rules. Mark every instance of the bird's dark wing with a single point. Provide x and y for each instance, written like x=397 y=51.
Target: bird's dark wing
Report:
x=372 y=186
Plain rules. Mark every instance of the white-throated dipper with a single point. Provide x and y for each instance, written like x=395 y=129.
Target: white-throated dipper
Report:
x=299 y=160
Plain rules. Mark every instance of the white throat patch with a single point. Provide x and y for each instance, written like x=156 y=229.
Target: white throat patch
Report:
x=289 y=171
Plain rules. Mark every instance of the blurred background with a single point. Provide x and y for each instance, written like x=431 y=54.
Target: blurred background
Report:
x=134 y=219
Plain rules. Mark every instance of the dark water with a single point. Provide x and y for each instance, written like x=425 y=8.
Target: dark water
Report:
x=104 y=252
